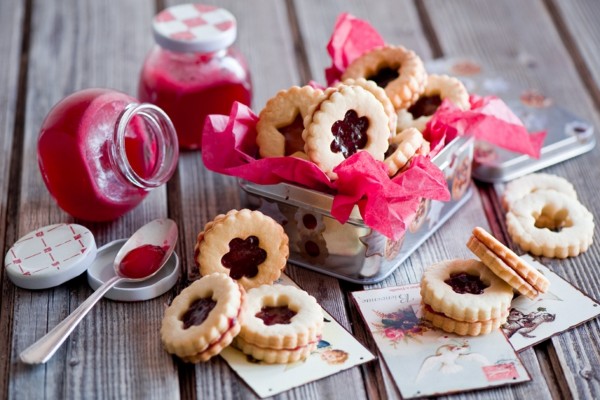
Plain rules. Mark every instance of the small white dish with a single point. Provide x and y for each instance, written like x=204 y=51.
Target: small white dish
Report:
x=102 y=270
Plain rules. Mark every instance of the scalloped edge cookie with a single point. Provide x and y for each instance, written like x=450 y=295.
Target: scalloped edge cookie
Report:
x=214 y=244
x=318 y=136
x=569 y=242
x=466 y=307
x=305 y=326
x=412 y=77
x=222 y=324
x=446 y=87
x=281 y=110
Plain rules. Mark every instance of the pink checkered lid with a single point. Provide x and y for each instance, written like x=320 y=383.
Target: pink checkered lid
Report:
x=50 y=256
x=194 y=28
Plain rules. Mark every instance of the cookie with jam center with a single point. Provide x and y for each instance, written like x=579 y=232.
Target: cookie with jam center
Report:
x=350 y=119
x=203 y=319
x=248 y=246
x=465 y=290
x=282 y=324
x=399 y=71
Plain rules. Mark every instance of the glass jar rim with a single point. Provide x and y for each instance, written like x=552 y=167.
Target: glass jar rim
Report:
x=164 y=133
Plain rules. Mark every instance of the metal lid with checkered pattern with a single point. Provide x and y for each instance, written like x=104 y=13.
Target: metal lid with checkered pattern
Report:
x=50 y=256
x=194 y=28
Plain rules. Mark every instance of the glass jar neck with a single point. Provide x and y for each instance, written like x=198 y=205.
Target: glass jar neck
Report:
x=160 y=132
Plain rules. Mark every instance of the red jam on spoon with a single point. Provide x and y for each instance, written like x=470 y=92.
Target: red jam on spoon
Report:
x=198 y=312
x=350 y=134
x=276 y=315
x=464 y=283
x=142 y=261
x=244 y=257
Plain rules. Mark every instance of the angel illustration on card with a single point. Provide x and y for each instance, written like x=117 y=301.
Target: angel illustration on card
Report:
x=446 y=358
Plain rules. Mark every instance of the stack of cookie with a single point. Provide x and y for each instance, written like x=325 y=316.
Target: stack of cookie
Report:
x=545 y=218
x=240 y=255
x=383 y=92
x=471 y=297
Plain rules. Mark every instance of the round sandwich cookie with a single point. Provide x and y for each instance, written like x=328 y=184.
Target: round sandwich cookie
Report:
x=204 y=318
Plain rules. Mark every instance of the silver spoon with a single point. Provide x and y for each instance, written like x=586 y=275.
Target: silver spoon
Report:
x=140 y=258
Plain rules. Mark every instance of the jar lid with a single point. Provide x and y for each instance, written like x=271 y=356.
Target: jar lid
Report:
x=194 y=28
x=50 y=256
x=102 y=270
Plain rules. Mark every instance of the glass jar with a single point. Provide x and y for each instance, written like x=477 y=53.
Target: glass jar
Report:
x=193 y=71
x=100 y=152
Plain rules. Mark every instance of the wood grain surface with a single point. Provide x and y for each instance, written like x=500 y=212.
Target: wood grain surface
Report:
x=51 y=49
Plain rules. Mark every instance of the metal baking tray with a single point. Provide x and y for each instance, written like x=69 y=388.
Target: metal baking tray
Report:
x=353 y=251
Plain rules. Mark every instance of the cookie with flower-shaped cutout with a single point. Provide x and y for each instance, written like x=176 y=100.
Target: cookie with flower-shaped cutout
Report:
x=550 y=224
x=281 y=122
x=437 y=89
x=282 y=324
x=203 y=319
x=350 y=119
x=396 y=69
x=247 y=245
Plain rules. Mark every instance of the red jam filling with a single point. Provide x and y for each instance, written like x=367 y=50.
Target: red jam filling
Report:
x=142 y=261
x=244 y=257
x=198 y=312
x=312 y=249
x=349 y=134
x=276 y=315
x=309 y=221
x=425 y=106
x=384 y=76
x=293 y=135
x=462 y=283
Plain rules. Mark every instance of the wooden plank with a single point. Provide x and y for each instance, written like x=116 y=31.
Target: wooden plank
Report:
x=13 y=21
x=527 y=47
x=116 y=351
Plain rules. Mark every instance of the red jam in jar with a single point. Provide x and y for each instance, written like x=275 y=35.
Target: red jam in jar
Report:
x=100 y=152
x=192 y=71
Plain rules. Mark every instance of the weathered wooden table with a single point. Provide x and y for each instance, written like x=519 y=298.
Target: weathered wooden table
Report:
x=49 y=49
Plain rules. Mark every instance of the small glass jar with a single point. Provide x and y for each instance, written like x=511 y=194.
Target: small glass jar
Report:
x=193 y=71
x=100 y=152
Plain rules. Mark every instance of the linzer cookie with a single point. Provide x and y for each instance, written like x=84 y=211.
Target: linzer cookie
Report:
x=281 y=122
x=349 y=120
x=468 y=293
x=550 y=224
x=282 y=324
x=247 y=245
x=438 y=88
x=203 y=319
x=527 y=184
x=503 y=262
x=398 y=70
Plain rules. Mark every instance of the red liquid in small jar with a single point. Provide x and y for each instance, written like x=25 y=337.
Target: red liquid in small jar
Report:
x=190 y=86
x=142 y=261
x=74 y=155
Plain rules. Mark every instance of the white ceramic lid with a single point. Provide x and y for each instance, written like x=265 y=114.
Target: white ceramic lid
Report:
x=50 y=256
x=102 y=270
x=194 y=28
